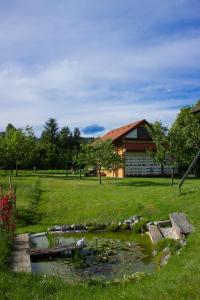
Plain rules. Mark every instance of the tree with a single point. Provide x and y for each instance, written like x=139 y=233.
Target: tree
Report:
x=168 y=143
x=16 y=148
x=76 y=139
x=79 y=159
x=102 y=155
x=187 y=127
x=65 y=137
x=158 y=132
x=50 y=132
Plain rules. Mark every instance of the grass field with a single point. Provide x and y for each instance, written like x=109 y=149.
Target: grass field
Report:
x=51 y=199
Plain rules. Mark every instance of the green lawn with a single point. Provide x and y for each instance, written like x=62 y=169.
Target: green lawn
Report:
x=57 y=199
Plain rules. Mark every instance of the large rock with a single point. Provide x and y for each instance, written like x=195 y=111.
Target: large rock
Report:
x=180 y=224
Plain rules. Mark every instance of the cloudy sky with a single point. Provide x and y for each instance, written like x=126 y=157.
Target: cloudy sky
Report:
x=97 y=64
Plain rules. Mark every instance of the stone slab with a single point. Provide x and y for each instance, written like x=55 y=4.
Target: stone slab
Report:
x=180 y=223
x=20 y=258
x=154 y=233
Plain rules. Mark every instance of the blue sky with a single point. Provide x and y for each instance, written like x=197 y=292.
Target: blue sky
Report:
x=97 y=63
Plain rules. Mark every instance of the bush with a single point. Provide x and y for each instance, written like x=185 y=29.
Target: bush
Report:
x=141 y=226
x=125 y=227
x=5 y=249
x=113 y=227
x=172 y=245
x=95 y=227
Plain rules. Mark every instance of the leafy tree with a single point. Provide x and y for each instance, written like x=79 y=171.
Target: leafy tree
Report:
x=79 y=159
x=3 y=158
x=168 y=143
x=65 y=138
x=158 y=133
x=9 y=127
x=102 y=155
x=16 y=148
x=76 y=139
x=187 y=127
x=50 y=132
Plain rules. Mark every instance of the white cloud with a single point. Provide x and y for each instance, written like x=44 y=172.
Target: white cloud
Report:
x=104 y=63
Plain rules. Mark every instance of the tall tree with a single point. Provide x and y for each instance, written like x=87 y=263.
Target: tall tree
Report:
x=76 y=139
x=50 y=132
x=169 y=150
x=79 y=159
x=187 y=127
x=102 y=155
x=65 y=138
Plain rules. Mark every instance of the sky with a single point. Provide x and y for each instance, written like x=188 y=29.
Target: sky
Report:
x=97 y=64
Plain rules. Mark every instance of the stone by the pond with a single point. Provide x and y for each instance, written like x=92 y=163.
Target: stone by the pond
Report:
x=66 y=227
x=56 y=228
x=154 y=233
x=20 y=259
x=132 y=220
x=181 y=224
x=164 y=223
x=165 y=257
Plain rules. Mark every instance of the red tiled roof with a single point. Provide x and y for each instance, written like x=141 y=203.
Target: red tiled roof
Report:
x=118 y=132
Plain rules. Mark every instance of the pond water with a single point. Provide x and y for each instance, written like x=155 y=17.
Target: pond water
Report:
x=107 y=255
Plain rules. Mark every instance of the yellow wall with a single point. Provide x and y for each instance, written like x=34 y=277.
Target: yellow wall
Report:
x=120 y=172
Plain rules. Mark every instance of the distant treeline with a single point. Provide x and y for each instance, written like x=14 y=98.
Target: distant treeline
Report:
x=54 y=149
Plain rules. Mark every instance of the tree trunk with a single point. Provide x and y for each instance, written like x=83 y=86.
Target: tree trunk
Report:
x=162 y=170
x=80 y=173
x=16 y=170
x=100 y=177
x=172 y=178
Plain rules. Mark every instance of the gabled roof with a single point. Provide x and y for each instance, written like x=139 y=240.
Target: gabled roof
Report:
x=118 y=132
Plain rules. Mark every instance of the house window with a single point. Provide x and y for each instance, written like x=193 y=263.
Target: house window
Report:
x=132 y=134
x=143 y=133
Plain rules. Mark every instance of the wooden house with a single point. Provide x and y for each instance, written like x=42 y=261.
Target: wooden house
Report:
x=133 y=141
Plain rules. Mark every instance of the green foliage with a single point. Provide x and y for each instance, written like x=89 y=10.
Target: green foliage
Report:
x=172 y=245
x=113 y=227
x=169 y=146
x=187 y=125
x=50 y=132
x=102 y=155
x=5 y=249
x=55 y=148
x=124 y=227
x=52 y=238
x=141 y=226
x=16 y=147
x=95 y=227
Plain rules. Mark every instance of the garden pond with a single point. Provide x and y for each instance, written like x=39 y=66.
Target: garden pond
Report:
x=107 y=256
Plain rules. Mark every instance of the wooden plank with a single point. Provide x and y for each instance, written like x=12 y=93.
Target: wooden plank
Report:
x=180 y=223
x=154 y=233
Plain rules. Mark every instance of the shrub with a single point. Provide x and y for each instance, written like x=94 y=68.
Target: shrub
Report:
x=172 y=245
x=141 y=226
x=5 y=249
x=113 y=227
x=95 y=227
x=124 y=226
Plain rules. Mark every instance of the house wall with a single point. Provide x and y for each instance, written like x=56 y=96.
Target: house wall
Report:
x=134 y=148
